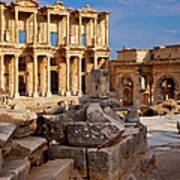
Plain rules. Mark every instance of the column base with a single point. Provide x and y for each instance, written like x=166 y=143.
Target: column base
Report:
x=16 y=95
x=43 y=94
x=35 y=94
x=62 y=93
x=48 y=94
x=80 y=93
x=74 y=93
x=68 y=93
x=30 y=94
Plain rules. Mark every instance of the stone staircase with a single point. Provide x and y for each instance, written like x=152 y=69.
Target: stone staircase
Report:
x=26 y=160
x=14 y=169
x=59 y=169
x=20 y=169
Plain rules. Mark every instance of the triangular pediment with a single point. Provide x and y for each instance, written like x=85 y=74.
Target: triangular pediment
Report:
x=58 y=5
x=88 y=9
x=26 y=3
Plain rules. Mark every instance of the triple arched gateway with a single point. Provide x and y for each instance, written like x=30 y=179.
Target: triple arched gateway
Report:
x=153 y=74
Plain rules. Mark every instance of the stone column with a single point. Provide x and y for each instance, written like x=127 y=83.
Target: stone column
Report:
x=35 y=27
x=80 y=26
x=48 y=25
x=80 y=75
x=59 y=79
x=16 y=26
x=2 y=21
x=29 y=74
x=43 y=76
x=95 y=62
x=67 y=30
x=68 y=76
x=106 y=31
x=2 y=72
x=137 y=99
x=16 y=77
x=95 y=31
x=48 y=91
x=35 y=93
x=11 y=69
x=58 y=33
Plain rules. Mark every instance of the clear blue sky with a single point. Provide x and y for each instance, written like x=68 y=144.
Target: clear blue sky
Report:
x=137 y=23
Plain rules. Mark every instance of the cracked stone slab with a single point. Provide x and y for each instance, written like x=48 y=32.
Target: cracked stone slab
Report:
x=31 y=147
x=6 y=132
x=84 y=134
x=15 y=169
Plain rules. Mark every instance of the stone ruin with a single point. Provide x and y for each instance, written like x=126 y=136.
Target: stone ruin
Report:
x=89 y=141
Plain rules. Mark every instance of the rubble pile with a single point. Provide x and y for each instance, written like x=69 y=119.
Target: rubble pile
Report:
x=169 y=107
x=89 y=141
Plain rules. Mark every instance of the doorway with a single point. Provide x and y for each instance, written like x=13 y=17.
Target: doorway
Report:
x=22 y=85
x=54 y=82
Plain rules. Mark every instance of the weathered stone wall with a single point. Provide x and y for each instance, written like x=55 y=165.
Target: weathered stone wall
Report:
x=136 y=55
x=167 y=52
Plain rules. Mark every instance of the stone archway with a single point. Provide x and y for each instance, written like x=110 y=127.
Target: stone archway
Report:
x=166 y=88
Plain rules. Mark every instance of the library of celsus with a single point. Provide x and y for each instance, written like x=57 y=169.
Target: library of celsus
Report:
x=51 y=49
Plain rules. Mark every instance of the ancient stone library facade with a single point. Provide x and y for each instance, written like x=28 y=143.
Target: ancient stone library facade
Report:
x=51 y=49
x=146 y=76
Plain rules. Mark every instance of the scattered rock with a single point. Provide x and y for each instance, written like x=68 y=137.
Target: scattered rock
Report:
x=6 y=132
x=93 y=134
x=169 y=107
x=53 y=127
x=113 y=114
x=53 y=110
x=31 y=147
x=110 y=102
x=95 y=114
x=25 y=121
x=80 y=115
x=19 y=107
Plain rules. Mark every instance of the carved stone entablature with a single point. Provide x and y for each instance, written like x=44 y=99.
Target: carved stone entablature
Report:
x=88 y=9
x=58 y=6
x=26 y=3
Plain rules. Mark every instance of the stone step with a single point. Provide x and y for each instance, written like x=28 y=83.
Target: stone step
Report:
x=59 y=169
x=31 y=147
x=15 y=169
